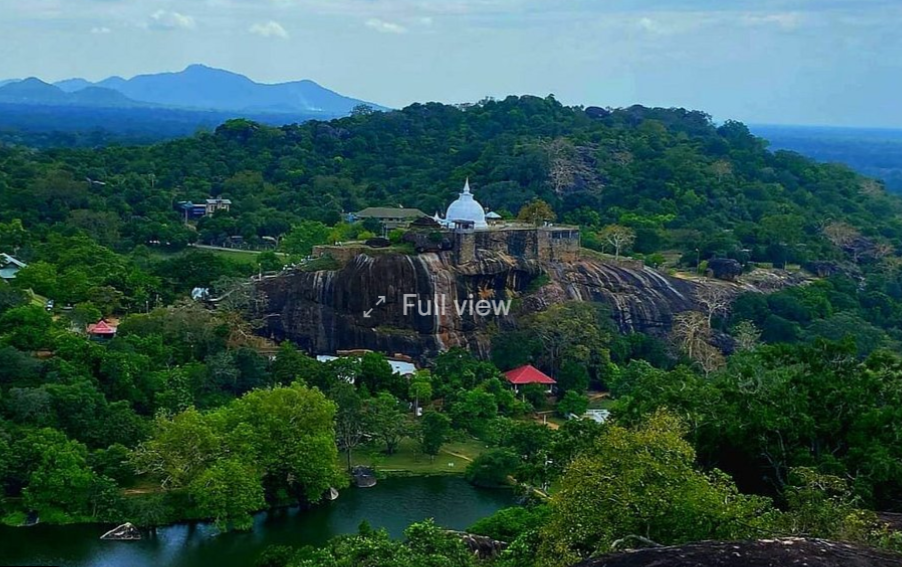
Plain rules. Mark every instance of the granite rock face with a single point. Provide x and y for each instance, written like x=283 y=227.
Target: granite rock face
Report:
x=761 y=553
x=327 y=311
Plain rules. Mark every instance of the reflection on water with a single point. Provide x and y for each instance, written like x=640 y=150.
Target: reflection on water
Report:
x=393 y=504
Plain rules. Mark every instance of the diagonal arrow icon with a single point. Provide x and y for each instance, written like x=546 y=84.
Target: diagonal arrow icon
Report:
x=381 y=300
x=367 y=314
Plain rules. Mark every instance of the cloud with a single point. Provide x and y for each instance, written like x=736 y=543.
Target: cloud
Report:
x=649 y=25
x=165 y=20
x=382 y=26
x=101 y=30
x=786 y=20
x=269 y=29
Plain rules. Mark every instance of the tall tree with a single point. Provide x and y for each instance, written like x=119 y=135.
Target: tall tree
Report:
x=386 y=421
x=618 y=237
x=536 y=212
x=433 y=429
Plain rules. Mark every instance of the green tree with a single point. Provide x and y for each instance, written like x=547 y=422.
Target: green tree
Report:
x=572 y=403
x=507 y=524
x=304 y=236
x=59 y=480
x=643 y=483
x=492 y=468
x=350 y=418
x=572 y=331
x=536 y=212
x=420 y=389
x=269 y=262
x=179 y=450
x=293 y=435
x=291 y=364
x=473 y=410
x=228 y=492
x=26 y=328
x=433 y=428
x=386 y=421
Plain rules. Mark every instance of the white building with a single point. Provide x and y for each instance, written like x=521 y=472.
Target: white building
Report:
x=9 y=267
x=464 y=211
x=398 y=367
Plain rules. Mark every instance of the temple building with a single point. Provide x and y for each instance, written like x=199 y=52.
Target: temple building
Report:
x=465 y=212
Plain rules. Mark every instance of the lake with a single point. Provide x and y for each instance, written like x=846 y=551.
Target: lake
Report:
x=393 y=504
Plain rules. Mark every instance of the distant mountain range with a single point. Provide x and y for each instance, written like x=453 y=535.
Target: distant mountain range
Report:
x=198 y=88
x=874 y=152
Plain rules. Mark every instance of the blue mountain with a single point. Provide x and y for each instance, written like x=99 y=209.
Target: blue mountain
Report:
x=32 y=91
x=73 y=85
x=200 y=87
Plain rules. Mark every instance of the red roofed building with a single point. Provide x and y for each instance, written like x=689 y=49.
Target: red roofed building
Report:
x=529 y=374
x=102 y=330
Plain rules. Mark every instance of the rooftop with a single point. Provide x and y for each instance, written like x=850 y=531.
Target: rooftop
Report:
x=398 y=367
x=390 y=212
x=6 y=259
x=101 y=328
x=528 y=374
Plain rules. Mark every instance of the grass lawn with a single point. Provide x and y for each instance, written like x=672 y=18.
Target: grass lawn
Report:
x=38 y=300
x=238 y=256
x=408 y=459
x=601 y=403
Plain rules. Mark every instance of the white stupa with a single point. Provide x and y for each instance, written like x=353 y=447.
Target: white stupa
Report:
x=466 y=209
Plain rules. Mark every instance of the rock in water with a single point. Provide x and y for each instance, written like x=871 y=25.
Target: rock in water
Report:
x=125 y=532
x=364 y=477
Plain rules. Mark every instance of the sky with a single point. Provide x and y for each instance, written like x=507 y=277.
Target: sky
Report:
x=819 y=62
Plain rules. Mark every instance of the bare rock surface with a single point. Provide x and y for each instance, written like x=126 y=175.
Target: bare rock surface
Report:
x=324 y=311
x=788 y=552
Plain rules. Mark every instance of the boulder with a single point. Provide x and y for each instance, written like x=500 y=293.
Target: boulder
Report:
x=725 y=269
x=378 y=242
x=125 y=532
x=482 y=547
x=364 y=477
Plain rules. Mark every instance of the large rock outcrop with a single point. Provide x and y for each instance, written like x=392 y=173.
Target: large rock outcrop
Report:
x=327 y=311
x=763 y=553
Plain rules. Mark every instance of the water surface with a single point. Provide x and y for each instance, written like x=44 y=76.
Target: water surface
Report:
x=393 y=504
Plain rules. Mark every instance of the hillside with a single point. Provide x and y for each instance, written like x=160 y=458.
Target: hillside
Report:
x=870 y=151
x=681 y=182
x=737 y=415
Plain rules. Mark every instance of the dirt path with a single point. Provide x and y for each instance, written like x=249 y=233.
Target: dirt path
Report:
x=458 y=455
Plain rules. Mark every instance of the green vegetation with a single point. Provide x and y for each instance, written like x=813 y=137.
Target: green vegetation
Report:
x=756 y=415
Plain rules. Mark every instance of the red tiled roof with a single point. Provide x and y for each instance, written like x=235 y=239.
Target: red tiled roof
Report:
x=101 y=328
x=528 y=374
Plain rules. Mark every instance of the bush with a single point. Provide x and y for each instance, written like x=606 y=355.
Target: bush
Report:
x=396 y=235
x=508 y=524
x=492 y=468
x=572 y=403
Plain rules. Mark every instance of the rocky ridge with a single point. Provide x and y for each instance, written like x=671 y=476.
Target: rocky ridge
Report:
x=327 y=311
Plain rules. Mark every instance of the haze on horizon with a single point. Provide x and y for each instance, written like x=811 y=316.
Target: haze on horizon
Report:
x=822 y=62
